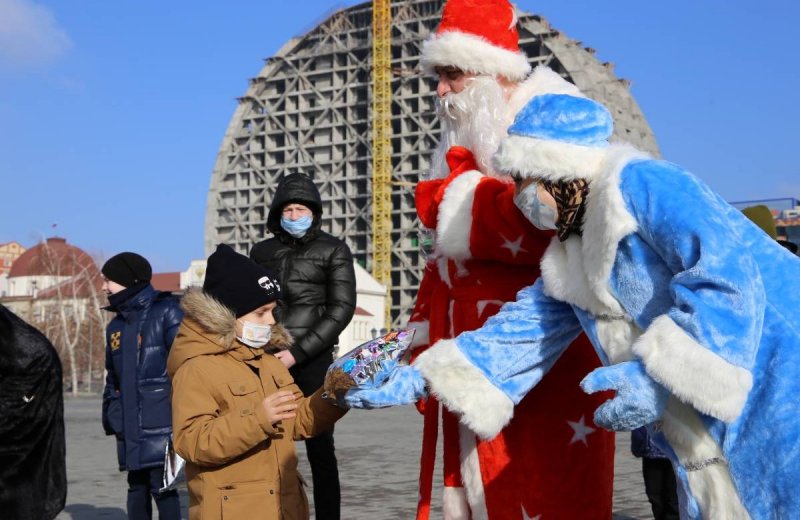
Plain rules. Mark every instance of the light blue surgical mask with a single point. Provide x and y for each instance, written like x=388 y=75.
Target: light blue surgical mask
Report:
x=537 y=212
x=297 y=228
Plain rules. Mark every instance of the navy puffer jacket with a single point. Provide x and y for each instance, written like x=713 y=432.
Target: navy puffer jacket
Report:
x=643 y=444
x=136 y=399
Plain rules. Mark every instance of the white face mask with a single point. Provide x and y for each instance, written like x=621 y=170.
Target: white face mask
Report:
x=537 y=212
x=255 y=335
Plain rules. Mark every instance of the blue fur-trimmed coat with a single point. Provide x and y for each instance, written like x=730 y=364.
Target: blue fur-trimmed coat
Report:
x=667 y=273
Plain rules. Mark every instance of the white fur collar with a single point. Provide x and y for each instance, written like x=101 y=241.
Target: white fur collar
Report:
x=454 y=222
x=578 y=270
x=543 y=80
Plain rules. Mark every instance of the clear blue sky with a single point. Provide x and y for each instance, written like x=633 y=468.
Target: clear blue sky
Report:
x=112 y=112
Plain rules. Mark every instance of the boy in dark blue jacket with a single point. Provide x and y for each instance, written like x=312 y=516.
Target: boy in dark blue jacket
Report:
x=136 y=398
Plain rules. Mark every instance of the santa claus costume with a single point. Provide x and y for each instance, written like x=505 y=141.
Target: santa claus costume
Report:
x=550 y=461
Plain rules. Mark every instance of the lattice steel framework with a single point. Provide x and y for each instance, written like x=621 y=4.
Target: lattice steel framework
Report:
x=309 y=110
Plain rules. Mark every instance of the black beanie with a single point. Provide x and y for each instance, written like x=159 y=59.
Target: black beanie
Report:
x=127 y=269
x=239 y=283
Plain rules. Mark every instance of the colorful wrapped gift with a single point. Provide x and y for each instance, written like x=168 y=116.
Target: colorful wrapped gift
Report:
x=369 y=364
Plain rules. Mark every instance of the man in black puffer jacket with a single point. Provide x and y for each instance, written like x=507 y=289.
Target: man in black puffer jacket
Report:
x=136 y=398
x=316 y=274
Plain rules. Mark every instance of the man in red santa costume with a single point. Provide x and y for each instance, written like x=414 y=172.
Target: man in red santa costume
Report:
x=550 y=461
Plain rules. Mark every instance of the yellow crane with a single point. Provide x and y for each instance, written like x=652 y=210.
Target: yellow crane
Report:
x=382 y=149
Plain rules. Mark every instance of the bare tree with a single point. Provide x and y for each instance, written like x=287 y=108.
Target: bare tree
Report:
x=69 y=311
x=97 y=322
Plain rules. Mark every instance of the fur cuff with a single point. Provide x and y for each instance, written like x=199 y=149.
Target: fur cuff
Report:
x=693 y=373
x=464 y=389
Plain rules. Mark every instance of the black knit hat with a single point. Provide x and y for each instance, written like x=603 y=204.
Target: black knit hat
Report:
x=127 y=269
x=239 y=283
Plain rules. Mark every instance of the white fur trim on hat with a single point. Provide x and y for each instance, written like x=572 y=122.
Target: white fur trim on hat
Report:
x=472 y=53
x=548 y=159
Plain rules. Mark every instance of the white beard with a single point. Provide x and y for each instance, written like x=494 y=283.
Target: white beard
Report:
x=477 y=119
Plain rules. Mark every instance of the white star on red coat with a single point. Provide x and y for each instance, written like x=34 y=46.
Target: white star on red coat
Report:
x=581 y=431
x=515 y=247
x=526 y=517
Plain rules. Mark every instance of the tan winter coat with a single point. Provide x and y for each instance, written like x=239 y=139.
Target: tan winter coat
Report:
x=238 y=466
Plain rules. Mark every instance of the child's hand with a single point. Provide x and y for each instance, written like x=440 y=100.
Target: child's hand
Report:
x=279 y=406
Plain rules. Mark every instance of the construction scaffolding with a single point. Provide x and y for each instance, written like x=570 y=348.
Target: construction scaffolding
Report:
x=309 y=110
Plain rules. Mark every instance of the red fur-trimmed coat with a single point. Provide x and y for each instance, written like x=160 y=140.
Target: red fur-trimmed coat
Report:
x=550 y=460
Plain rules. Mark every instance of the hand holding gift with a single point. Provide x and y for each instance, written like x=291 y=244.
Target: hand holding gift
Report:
x=405 y=385
x=372 y=375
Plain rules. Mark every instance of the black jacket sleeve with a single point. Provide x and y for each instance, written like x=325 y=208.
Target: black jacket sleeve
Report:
x=339 y=308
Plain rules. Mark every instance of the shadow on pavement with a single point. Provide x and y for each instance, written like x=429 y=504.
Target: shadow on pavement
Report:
x=90 y=512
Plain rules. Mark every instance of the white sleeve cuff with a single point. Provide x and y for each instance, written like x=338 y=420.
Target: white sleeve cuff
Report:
x=692 y=372
x=464 y=389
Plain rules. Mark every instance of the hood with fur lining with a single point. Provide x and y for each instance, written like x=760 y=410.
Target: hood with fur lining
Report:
x=209 y=328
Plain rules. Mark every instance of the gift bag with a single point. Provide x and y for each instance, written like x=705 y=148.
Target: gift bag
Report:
x=368 y=364
x=173 y=468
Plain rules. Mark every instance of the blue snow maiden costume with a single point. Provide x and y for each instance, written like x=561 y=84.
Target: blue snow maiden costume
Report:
x=693 y=309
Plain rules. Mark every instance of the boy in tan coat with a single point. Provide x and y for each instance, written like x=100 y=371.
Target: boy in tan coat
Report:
x=236 y=411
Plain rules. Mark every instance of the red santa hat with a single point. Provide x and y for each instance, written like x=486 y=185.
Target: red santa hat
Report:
x=477 y=36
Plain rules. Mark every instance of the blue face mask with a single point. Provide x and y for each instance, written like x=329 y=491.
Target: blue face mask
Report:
x=297 y=228
x=537 y=212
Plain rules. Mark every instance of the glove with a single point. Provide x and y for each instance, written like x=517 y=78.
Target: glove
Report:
x=640 y=399
x=403 y=386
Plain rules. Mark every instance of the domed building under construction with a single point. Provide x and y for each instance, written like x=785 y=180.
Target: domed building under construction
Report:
x=310 y=110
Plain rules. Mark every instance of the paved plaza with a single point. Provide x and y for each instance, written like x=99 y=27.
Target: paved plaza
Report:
x=378 y=454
